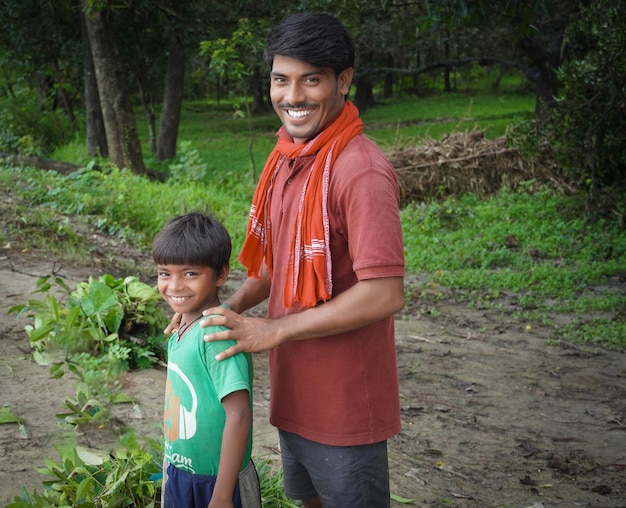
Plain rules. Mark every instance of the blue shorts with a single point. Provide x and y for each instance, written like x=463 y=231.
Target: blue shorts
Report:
x=189 y=490
x=341 y=476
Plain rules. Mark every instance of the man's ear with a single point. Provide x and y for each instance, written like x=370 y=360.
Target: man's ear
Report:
x=345 y=80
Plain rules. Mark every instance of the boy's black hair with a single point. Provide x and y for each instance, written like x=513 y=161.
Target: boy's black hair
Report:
x=317 y=38
x=194 y=239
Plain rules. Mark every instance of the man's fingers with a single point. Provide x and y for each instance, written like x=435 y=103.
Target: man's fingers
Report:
x=227 y=353
x=174 y=323
x=222 y=335
x=214 y=321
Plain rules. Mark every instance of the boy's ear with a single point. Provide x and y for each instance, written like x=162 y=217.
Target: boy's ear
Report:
x=222 y=276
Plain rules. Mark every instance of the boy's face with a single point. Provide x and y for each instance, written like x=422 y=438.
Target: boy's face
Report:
x=306 y=98
x=190 y=289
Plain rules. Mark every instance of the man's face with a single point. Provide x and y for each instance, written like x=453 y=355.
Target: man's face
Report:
x=306 y=98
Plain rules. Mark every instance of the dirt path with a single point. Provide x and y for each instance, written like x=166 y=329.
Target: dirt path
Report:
x=493 y=416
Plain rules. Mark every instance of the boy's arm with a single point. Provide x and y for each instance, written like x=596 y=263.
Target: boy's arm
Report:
x=234 y=443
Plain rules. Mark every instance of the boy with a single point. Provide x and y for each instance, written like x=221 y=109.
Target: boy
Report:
x=208 y=414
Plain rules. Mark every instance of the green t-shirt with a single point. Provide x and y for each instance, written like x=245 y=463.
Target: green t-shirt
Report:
x=194 y=418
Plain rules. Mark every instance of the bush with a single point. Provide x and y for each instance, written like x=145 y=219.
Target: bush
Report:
x=29 y=126
x=588 y=125
x=121 y=318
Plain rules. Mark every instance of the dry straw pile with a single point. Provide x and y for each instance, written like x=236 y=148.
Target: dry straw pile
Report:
x=466 y=162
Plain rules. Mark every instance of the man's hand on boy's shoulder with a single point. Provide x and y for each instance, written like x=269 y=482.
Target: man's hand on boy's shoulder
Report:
x=174 y=323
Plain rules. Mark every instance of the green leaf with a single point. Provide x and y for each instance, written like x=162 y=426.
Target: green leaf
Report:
x=39 y=333
x=88 y=457
x=139 y=290
x=122 y=398
x=17 y=308
x=402 y=500
x=71 y=318
x=41 y=357
x=83 y=488
x=7 y=417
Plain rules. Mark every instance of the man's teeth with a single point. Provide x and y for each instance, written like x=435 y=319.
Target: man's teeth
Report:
x=178 y=299
x=299 y=113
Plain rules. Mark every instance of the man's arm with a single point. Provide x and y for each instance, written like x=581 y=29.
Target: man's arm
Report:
x=367 y=302
x=250 y=293
x=234 y=442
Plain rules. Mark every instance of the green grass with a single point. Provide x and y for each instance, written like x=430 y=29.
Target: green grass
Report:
x=535 y=243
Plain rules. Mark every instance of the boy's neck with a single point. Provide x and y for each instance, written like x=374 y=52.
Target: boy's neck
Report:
x=190 y=317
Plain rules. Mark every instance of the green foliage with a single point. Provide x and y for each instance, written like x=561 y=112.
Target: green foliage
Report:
x=188 y=166
x=121 y=318
x=83 y=479
x=271 y=480
x=588 y=125
x=235 y=59
x=595 y=331
x=536 y=245
x=29 y=126
x=82 y=409
x=105 y=196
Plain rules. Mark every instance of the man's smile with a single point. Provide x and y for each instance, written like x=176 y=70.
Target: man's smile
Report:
x=298 y=113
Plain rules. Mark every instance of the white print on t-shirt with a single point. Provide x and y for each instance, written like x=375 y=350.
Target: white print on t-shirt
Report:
x=184 y=419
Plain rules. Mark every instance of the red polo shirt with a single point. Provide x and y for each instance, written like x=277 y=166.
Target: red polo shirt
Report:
x=340 y=390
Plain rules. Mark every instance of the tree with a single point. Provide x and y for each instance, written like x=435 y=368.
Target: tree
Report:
x=534 y=28
x=172 y=102
x=589 y=120
x=41 y=70
x=94 y=123
x=117 y=111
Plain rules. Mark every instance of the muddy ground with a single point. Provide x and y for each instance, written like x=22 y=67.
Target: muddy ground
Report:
x=494 y=413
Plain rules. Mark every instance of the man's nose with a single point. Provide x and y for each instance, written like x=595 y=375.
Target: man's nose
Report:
x=295 y=94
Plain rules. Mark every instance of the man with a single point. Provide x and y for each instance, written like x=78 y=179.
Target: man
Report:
x=324 y=244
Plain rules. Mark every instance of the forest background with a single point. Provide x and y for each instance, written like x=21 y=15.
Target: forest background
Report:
x=122 y=114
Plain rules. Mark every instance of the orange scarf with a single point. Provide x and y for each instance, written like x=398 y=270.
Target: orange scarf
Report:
x=309 y=277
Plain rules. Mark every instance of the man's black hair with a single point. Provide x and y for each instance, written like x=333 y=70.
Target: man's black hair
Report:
x=194 y=239
x=317 y=38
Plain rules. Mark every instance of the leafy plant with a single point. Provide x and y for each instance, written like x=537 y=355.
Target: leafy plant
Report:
x=118 y=317
x=188 y=165
x=589 y=116
x=125 y=477
x=271 y=480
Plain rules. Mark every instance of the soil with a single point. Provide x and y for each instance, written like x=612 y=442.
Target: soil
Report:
x=495 y=413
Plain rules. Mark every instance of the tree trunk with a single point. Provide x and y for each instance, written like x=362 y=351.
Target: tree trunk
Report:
x=545 y=54
x=388 y=83
x=117 y=112
x=260 y=92
x=172 y=103
x=447 y=69
x=96 y=137
x=147 y=102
